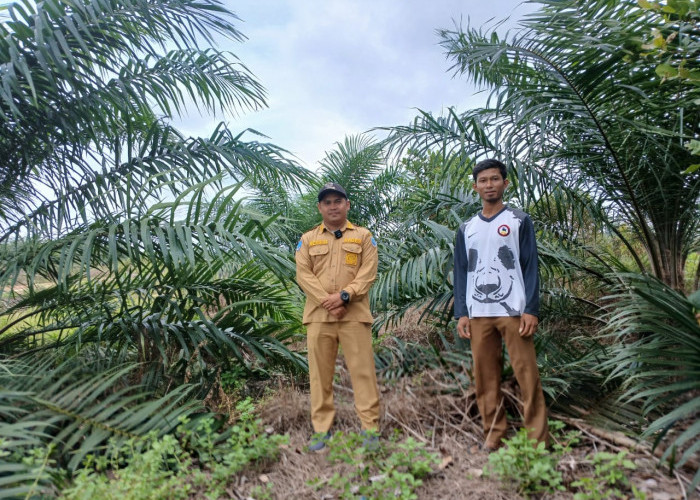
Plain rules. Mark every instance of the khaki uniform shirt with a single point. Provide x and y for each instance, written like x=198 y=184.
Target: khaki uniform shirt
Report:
x=326 y=265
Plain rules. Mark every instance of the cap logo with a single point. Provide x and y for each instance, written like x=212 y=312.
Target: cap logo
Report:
x=332 y=186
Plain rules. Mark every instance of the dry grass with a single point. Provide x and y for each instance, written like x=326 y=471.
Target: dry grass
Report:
x=404 y=407
x=447 y=423
x=414 y=327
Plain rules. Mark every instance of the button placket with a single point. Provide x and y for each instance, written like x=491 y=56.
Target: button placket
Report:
x=334 y=259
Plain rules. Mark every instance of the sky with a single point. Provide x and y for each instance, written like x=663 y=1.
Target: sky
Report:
x=334 y=68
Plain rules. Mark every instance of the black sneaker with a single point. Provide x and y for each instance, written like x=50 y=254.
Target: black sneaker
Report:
x=318 y=441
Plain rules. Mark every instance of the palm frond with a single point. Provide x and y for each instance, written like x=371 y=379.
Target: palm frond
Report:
x=163 y=282
x=414 y=273
x=575 y=99
x=71 y=411
x=656 y=355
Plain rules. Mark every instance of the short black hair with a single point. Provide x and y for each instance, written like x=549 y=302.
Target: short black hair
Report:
x=490 y=163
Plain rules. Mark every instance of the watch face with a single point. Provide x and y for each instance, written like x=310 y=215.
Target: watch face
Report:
x=345 y=296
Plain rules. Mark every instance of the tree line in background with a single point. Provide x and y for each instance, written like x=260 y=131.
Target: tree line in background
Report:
x=134 y=273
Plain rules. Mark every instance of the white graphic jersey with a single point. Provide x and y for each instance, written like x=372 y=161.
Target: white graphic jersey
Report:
x=495 y=266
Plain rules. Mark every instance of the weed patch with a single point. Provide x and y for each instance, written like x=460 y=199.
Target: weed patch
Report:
x=527 y=465
x=394 y=470
x=609 y=479
x=197 y=459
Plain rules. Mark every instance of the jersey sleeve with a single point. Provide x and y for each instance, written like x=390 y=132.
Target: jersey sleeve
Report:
x=459 y=278
x=529 y=267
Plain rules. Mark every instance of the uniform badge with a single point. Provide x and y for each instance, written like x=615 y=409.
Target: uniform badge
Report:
x=298 y=246
x=374 y=242
x=503 y=230
x=351 y=259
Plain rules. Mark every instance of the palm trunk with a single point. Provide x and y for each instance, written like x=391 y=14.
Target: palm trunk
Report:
x=671 y=265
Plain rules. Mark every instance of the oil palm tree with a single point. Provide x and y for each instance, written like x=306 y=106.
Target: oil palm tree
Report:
x=100 y=195
x=131 y=268
x=581 y=102
x=597 y=132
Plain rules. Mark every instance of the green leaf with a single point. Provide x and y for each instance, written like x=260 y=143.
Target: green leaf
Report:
x=694 y=146
x=665 y=70
x=681 y=7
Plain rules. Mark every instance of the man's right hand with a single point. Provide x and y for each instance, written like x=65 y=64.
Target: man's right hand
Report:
x=463 y=327
x=338 y=312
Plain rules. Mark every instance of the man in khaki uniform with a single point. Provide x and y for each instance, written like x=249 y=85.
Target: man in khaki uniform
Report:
x=336 y=266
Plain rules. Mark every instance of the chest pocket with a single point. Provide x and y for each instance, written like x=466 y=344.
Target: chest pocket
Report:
x=352 y=253
x=318 y=250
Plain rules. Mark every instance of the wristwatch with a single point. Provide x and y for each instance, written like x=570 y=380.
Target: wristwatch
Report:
x=344 y=296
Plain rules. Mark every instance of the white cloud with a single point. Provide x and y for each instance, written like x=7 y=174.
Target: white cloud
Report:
x=335 y=68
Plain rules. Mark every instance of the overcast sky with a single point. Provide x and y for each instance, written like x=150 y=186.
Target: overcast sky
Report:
x=333 y=68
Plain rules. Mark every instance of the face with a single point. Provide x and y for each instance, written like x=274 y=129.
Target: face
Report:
x=490 y=185
x=334 y=210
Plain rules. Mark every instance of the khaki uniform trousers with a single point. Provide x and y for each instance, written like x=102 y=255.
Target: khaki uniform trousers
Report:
x=487 y=351
x=356 y=339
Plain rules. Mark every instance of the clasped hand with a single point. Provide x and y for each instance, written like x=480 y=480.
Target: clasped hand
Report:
x=334 y=305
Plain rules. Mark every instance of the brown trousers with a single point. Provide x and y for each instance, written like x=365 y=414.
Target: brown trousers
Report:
x=356 y=339
x=487 y=351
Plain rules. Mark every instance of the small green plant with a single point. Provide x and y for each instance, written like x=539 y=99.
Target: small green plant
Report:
x=262 y=492
x=233 y=380
x=394 y=470
x=150 y=472
x=528 y=465
x=609 y=478
x=196 y=459
x=33 y=466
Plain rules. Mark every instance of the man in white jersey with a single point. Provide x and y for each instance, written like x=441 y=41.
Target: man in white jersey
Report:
x=496 y=297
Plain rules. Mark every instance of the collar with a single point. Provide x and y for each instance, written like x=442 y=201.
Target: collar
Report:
x=348 y=225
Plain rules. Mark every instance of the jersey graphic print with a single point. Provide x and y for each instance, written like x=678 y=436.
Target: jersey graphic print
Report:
x=494 y=280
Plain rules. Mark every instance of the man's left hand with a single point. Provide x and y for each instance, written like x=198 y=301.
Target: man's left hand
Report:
x=528 y=325
x=333 y=301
